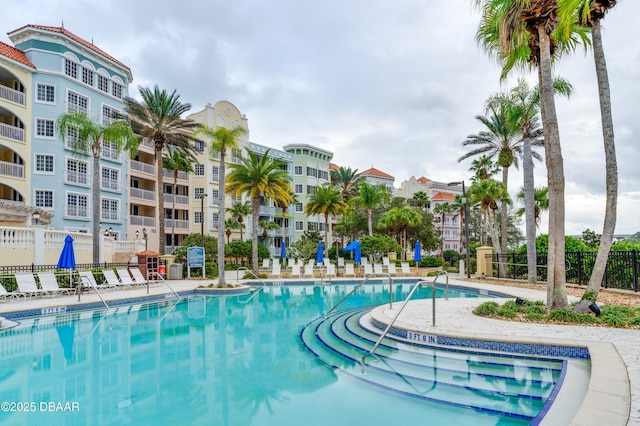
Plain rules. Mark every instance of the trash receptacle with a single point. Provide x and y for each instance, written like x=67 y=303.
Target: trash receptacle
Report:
x=175 y=271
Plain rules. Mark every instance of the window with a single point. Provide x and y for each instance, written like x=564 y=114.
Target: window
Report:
x=215 y=194
x=44 y=199
x=312 y=226
x=312 y=172
x=110 y=209
x=108 y=114
x=236 y=155
x=77 y=205
x=110 y=179
x=110 y=150
x=311 y=189
x=87 y=76
x=297 y=170
x=103 y=84
x=214 y=220
x=199 y=169
x=197 y=217
x=70 y=68
x=44 y=163
x=116 y=89
x=72 y=139
x=215 y=173
x=44 y=128
x=320 y=226
x=299 y=225
x=298 y=207
x=235 y=199
x=298 y=189
x=199 y=146
x=323 y=174
x=77 y=103
x=77 y=172
x=198 y=193
x=46 y=93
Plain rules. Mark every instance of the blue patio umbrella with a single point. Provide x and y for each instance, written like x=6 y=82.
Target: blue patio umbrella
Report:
x=67 y=257
x=283 y=248
x=417 y=255
x=357 y=256
x=320 y=256
x=351 y=246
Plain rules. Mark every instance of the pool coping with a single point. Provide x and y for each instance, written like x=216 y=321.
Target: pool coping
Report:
x=608 y=397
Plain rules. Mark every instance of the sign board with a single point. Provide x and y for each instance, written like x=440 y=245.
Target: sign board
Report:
x=195 y=259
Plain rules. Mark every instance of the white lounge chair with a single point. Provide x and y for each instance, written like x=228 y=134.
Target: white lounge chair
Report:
x=88 y=280
x=385 y=261
x=349 y=270
x=295 y=271
x=266 y=263
x=8 y=295
x=111 y=277
x=291 y=262
x=331 y=270
x=364 y=261
x=49 y=282
x=326 y=261
x=377 y=268
x=311 y=262
x=405 y=268
x=125 y=277
x=341 y=262
x=138 y=278
x=308 y=270
x=275 y=271
x=368 y=270
x=391 y=269
x=27 y=284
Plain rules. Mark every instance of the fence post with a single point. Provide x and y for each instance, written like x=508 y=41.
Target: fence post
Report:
x=579 y=261
x=634 y=262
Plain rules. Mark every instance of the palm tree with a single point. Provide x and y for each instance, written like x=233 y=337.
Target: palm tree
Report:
x=402 y=218
x=368 y=197
x=89 y=136
x=222 y=140
x=421 y=199
x=266 y=226
x=590 y=13
x=346 y=179
x=519 y=32
x=158 y=118
x=489 y=194
x=239 y=210
x=444 y=209
x=483 y=167
x=177 y=161
x=326 y=200
x=258 y=177
x=229 y=224
x=541 y=204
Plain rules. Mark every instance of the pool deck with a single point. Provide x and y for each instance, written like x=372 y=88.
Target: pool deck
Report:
x=615 y=374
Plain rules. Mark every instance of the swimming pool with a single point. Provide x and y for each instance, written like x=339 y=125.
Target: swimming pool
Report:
x=234 y=360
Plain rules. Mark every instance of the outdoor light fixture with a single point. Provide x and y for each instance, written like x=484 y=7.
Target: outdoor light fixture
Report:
x=144 y=237
x=466 y=224
x=137 y=234
x=36 y=216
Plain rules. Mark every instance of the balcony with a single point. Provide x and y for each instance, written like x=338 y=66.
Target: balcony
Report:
x=110 y=184
x=180 y=199
x=143 y=167
x=142 y=220
x=178 y=223
x=11 y=169
x=267 y=210
x=12 y=95
x=110 y=215
x=169 y=174
x=11 y=132
x=142 y=194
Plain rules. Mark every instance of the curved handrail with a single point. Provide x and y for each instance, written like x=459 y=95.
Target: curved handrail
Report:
x=243 y=268
x=163 y=280
x=360 y=285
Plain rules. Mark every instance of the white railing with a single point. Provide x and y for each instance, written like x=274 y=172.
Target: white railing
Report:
x=169 y=174
x=142 y=193
x=16 y=237
x=269 y=210
x=11 y=169
x=111 y=215
x=142 y=220
x=11 y=132
x=179 y=224
x=180 y=199
x=110 y=152
x=143 y=167
x=12 y=95
x=111 y=184
x=74 y=176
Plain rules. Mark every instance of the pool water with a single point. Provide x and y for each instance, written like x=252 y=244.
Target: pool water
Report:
x=234 y=360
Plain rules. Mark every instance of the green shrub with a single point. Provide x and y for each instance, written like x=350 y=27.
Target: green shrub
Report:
x=432 y=262
x=568 y=315
x=487 y=309
x=509 y=309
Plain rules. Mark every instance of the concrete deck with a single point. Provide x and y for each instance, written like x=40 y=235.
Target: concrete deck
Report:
x=615 y=374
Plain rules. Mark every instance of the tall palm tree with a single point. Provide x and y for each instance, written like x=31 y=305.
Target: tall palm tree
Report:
x=177 y=161
x=158 y=118
x=444 y=209
x=483 y=167
x=421 y=199
x=520 y=33
x=541 y=204
x=230 y=224
x=489 y=194
x=326 y=200
x=221 y=140
x=590 y=13
x=258 y=177
x=239 y=210
x=368 y=197
x=346 y=179
x=88 y=137
x=402 y=218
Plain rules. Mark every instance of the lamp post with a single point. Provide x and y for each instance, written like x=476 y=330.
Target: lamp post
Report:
x=202 y=217
x=36 y=216
x=144 y=237
x=466 y=224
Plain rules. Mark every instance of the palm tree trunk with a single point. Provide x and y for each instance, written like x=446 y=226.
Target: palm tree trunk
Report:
x=173 y=208
x=556 y=290
x=503 y=224
x=255 y=211
x=369 y=222
x=595 y=281
x=326 y=233
x=97 y=206
x=160 y=191
x=221 y=211
x=529 y=210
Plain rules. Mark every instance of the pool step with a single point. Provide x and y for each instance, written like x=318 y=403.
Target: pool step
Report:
x=512 y=386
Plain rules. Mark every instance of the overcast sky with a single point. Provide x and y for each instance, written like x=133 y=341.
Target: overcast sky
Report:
x=391 y=84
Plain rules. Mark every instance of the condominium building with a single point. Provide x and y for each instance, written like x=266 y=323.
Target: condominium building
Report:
x=374 y=176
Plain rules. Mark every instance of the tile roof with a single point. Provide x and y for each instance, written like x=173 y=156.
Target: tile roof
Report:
x=375 y=172
x=333 y=166
x=423 y=180
x=15 y=54
x=443 y=196
x=74 y=37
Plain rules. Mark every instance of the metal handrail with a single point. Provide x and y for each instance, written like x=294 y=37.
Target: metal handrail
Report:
x=360 y=285
x=413 y=290
x=255 y=293
x=163 y=280
x=242 y=268
x=86 y=280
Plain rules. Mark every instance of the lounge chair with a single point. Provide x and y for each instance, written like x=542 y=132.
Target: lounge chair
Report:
x=368 y=270
x=295 y=271
x=377 y=268
x=364 y=261
x=406 y=269
x=138 y=278
x=49 y=282
x=331 y=270
x=27 y=284
x=326 y=261
x=391 y=269
x=341 y=262
x=348 y=270
x=385 y=261
x=291 y=262
x=111 y=277
x=8 y=295
x=266 y=263
x=125 y=277
x=88 y=280
x=275 y=271
x=308 y=270
x=311 y=262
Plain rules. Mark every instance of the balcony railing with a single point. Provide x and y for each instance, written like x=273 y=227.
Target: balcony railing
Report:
x=180 y=199
x=12 y=95
x=143 y=167
x=11 y=132
x=179 y=224
x=110 y=184
x=142 y=194
x=11 y=169
x=110 y=215
x=110 y=152
x=77 y=177
x=142 y=220
x=169 y=174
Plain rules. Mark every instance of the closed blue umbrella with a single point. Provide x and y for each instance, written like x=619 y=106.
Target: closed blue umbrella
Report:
x=357 y=256
x=67 y=257
x=417 y=255
x=320 y=256
x=351 y=246
x=283 y=247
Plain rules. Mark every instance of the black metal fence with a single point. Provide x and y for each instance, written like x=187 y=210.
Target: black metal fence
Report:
x=621 y=272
